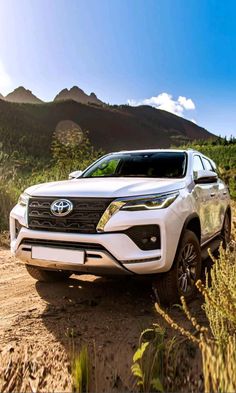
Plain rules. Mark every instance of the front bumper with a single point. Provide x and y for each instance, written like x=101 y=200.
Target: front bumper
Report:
x=112 y=252
x=96 y=262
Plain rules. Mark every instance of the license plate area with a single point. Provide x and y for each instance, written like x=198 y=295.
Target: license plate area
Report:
x=58 y=255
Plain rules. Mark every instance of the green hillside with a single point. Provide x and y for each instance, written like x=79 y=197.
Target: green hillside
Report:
x=224 y=154
x=29 y=128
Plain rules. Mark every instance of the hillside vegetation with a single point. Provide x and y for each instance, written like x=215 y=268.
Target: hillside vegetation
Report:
x=223 y=152
x=18 y=170
x=45 y=142
x=28 y=128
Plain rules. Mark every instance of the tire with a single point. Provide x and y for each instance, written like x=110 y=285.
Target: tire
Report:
x=186 y=270
x=46 y=275
x=226 y=230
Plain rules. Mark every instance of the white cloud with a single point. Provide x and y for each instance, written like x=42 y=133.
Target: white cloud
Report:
x=5 y=80
x=166 y=102
x=187 y=103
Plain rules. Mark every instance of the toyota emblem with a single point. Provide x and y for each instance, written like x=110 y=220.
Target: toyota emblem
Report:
x=61 y=207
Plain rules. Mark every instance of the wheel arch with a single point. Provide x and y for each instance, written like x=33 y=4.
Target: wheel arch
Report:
x=192 y=223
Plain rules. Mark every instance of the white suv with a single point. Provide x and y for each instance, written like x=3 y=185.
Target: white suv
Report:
x=129 y=213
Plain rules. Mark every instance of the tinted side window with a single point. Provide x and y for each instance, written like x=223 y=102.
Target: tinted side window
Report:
x=207 y=165
x=197 y=164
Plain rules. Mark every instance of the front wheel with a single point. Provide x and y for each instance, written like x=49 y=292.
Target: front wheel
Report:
x=47 y=275
x=180 y=280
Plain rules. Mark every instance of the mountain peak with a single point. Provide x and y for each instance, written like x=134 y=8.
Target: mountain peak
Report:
x=76 y=88
x=22 y=95
x=21 y=88
x=77 y=94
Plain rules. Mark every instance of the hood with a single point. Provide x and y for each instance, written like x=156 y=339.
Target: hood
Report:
x=105 y=187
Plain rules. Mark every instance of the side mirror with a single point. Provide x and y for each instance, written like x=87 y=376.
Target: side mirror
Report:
x=204 y=177
x=75 y=174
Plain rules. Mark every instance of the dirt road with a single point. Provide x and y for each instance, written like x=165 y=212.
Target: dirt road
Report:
x=39 y=320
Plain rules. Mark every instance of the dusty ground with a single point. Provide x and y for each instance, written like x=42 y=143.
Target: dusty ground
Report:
x=107 y=315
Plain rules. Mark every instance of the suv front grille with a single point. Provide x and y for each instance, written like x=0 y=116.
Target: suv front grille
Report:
x=83 y=218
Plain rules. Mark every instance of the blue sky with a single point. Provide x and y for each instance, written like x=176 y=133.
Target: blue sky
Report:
x=178 y=55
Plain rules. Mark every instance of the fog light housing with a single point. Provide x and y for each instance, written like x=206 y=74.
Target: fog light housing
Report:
x=146 y=237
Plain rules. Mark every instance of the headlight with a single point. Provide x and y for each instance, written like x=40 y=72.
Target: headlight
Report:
x=23 y=199
x=150 y=203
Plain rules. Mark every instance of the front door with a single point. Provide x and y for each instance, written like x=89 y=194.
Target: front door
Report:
x=206 y=196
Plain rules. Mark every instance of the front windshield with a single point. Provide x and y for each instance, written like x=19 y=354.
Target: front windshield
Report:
x=153 y=164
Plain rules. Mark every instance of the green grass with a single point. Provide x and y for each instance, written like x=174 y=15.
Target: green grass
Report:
x=148 y=360
x=80 y=371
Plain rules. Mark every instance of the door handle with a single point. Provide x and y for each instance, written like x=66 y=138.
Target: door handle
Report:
x=213 y=194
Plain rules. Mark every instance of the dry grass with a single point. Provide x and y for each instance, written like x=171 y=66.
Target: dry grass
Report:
x=218 y=343
x=4 y=239
x=219 y=365
x=28 y=370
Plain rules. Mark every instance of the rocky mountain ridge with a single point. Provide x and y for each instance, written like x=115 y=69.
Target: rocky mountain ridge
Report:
x=25 y=96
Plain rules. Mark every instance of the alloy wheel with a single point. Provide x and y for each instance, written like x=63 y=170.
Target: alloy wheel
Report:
x=187 y=269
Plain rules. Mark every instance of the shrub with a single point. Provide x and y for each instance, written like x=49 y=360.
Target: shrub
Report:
x=17 y=172
x=72 y=151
